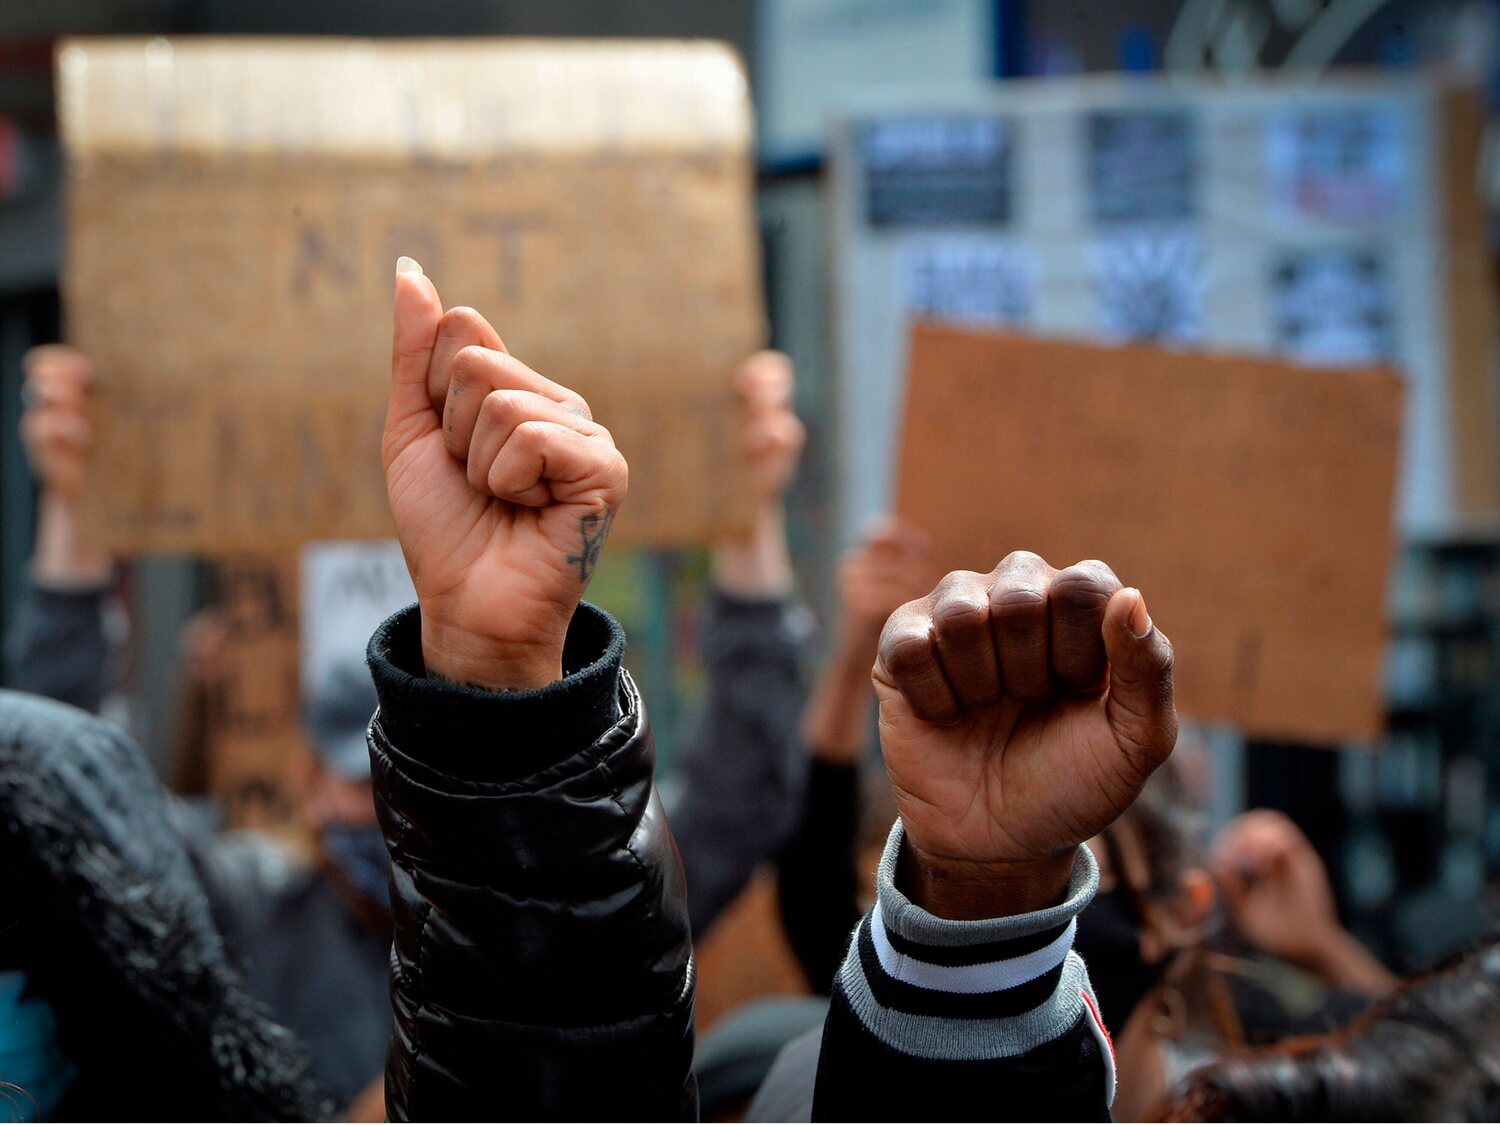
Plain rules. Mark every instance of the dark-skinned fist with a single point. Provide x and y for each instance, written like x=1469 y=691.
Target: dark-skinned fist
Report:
x=1021 y=711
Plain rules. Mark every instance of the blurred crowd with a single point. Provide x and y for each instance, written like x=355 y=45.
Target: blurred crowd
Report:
x=1047 y=933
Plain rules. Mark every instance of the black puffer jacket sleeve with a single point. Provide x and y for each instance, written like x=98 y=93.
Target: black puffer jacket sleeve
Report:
x=542 y=967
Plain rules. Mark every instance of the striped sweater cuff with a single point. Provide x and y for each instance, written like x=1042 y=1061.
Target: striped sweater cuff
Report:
x=965 y=991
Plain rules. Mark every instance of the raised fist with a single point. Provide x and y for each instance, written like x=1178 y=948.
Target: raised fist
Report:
x=503 y=489
x=57 y=428
x=1021 y=711
x=773 y=435
x=1275 y=886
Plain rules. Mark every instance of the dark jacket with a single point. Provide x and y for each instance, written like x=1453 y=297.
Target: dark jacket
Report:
x=319 y=968
x=57 y=646
x=817 y=880
x=103 y=911
x=543 y=966
x=739 y=779
x=732 y=804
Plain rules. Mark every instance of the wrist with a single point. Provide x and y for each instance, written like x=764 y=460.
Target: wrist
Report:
x=854 y=654
x=495 y=664
x=1342 y=961
x=971 y=890
x=758 y=563
x=65 y=555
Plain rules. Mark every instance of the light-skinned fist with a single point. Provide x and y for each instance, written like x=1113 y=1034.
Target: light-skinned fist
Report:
x=503 y=489
x=1275 y=887
x=1280 y=901
x=1021 y=711
x=773 y=435
x=891 y=566
x=57 y=426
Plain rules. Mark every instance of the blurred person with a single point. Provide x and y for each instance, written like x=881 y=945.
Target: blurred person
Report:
x=820 y=886
x=1176 y=990
x=542 y=955
x=311 y=935
x=59 y=648
x=738 y=783
x=1144 y=938
x=118 y=998
x=1430 y=1051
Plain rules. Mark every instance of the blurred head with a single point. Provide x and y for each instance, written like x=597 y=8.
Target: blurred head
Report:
x=1431 y=1052
x=339 y=802
x=1154 y=897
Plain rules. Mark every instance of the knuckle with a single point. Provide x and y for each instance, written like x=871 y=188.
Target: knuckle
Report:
x=907 y=653
x=458 y=317
x=1017 y=601
x=1086 y=584
x=1021 y=561
x=499 y=406
x=961 y=605
x=464 y=371
x=531 y=433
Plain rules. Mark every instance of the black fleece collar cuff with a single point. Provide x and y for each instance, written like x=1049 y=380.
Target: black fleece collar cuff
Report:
x=491 y=736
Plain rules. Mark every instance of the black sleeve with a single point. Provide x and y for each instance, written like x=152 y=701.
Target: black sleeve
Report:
x=741 y=773
x=542 y=965
x=817 y=882
x=106 y=916
x=57 y=647
x=937 y=1020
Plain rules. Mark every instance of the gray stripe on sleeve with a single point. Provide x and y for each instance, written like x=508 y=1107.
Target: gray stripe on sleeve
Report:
x=958 y=1040
x=908 y=920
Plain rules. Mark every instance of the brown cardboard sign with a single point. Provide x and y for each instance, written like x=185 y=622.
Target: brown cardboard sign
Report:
x=235 y=210
x=241 y=737
x=1249 y=499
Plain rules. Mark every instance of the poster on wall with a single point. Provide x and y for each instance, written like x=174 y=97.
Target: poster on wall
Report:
x=1333 y=307
x=1149 y=282
x=981 y=281
x=943 y=170
x=1339 y=163
x=1142 y=165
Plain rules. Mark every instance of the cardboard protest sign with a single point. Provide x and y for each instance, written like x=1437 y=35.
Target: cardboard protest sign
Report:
x=241 y=735
x=1336 y=224
x=1249 y=499
x=235 y=210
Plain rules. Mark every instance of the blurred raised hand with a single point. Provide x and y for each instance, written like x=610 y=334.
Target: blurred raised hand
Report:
x=757 y=564
x=890 y=566
x=1280 y=901
x=57 y=431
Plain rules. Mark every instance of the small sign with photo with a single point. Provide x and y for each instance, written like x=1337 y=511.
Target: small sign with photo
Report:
x=977 y=282
x=1333 y=307
x=945 y=170
x=1142 y=165
x=1149 y=283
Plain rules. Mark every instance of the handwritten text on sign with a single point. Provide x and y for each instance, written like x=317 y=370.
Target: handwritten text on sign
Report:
x=231 y=248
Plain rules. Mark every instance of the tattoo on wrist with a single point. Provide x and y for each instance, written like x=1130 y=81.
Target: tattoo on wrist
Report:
x=432 y=674
x=592 y=531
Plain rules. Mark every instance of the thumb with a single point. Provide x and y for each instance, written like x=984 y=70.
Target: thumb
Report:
x=1139 y=707
x=418 y=312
